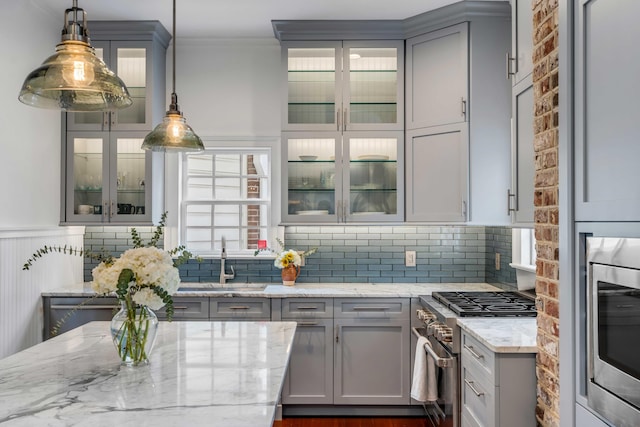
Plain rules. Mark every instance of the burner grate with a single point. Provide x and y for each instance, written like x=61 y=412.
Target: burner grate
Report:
x=468 y=304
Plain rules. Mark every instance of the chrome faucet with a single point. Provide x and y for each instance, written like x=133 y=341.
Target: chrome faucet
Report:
x=223 y=260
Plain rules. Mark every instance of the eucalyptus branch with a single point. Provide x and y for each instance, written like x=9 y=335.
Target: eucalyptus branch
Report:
x=66 y=250
x=157 y=235
x=56 y=329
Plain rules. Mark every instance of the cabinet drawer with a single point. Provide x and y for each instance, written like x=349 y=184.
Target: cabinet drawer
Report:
x=477 y=357
x=307 y=308
x=187 y=309
x=477 y=398
x=371 y=307
x=240 y=308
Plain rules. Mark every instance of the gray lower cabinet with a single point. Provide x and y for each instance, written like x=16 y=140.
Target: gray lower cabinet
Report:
x=372 y=351
x=497 y=389
x=61 y=314
x=187 y=308
x=239 y=308
x=309 y=378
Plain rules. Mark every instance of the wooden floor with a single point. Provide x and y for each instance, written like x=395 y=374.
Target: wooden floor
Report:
x=352 y=422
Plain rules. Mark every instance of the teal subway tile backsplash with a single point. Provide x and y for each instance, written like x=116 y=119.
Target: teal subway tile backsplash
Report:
x=354 y=254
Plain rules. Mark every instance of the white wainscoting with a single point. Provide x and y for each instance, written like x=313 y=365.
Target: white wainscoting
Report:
x=21 y=319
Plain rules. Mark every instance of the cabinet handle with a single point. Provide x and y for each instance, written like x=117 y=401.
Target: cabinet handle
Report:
x=345 y=118
x=311 y=307
x=338 y=119
x=473 y=353
x=239 y=307
x=113 y=116
x=509 y=72
x=175 y=307
x=470 y=384
x=338 y=334
x=307 y=323
x=509 y=196
x=464 y=208
x=105 y=210
x=105 y=120
x=464 y=107
x=370 y=308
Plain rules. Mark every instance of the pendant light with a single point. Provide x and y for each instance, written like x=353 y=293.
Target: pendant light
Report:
x=173 y=134
x=74 y=78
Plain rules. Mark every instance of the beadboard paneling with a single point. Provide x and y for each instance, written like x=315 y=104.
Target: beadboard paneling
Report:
x=21 y=319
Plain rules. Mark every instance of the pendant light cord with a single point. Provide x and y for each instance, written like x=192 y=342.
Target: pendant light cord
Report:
x=174 y=46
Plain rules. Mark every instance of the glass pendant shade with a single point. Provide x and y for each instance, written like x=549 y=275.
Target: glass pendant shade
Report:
x=74 y=79
x=173 y=134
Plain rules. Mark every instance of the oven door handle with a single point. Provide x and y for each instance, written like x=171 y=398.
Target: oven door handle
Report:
x=441 y=362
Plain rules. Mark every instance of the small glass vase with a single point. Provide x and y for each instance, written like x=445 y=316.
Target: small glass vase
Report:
x=290 y=274
x=133 y=330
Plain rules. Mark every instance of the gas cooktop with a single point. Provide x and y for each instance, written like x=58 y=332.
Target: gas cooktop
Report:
x=487 y=304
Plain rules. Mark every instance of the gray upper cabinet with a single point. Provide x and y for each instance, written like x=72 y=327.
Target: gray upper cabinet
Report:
x=437 y=164
x=343 y=86
x=520 y=61
x=520 y=197
x=108 y=177
x=136 y=52
x=606 y=111
x=437 y=78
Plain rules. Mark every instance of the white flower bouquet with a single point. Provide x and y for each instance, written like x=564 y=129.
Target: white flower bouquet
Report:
x=142 y=278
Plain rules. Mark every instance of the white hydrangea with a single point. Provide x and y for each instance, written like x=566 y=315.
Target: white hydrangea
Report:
x=146 y=296
x=152 y=267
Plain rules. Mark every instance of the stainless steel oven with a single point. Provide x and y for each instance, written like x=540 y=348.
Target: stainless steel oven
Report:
x=439 y=315
x=444 y=411
x=613 y=320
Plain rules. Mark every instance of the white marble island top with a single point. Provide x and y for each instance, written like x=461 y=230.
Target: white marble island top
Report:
x=503 y=334
x=200 y=374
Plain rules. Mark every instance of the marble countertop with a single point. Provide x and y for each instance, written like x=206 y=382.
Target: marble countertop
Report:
x=503 y=334
x=200 y=374
x=324 y=290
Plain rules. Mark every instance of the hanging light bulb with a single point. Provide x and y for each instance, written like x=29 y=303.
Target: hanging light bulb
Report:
x=173 y=134
x=74 y=78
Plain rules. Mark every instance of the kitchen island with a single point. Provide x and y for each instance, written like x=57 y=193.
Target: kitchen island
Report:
x=200 y=373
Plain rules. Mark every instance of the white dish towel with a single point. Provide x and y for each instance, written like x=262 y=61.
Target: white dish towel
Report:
x=424 y=387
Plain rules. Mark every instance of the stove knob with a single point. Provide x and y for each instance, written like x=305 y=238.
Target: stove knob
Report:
x=443 y=332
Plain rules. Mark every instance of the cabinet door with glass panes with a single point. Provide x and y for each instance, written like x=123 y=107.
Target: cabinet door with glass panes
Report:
x=131 y=61
x=340 y=86
x=354 y=177
x=108 y=178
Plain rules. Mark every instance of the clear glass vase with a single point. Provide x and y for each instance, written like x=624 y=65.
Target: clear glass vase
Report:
x=133 y=330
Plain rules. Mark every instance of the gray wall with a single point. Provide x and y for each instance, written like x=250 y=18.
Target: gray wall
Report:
x=368 y=254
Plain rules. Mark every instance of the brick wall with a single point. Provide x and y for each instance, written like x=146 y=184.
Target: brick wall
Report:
x=545 y=84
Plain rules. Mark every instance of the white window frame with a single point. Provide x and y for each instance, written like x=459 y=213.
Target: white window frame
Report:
x=523 y=249
x=174 y=165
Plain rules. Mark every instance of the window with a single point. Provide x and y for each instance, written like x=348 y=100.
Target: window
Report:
x=524 y=248
x=226 y=194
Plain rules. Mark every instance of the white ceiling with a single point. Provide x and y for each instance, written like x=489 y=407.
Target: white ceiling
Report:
x=240 y=18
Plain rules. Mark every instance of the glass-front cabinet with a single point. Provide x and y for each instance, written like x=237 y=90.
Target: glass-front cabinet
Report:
x=344 y=86
x=108 y=178
x=131 y=61
x=355 y=177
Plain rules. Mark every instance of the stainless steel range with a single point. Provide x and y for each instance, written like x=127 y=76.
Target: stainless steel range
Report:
x=438 y=315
